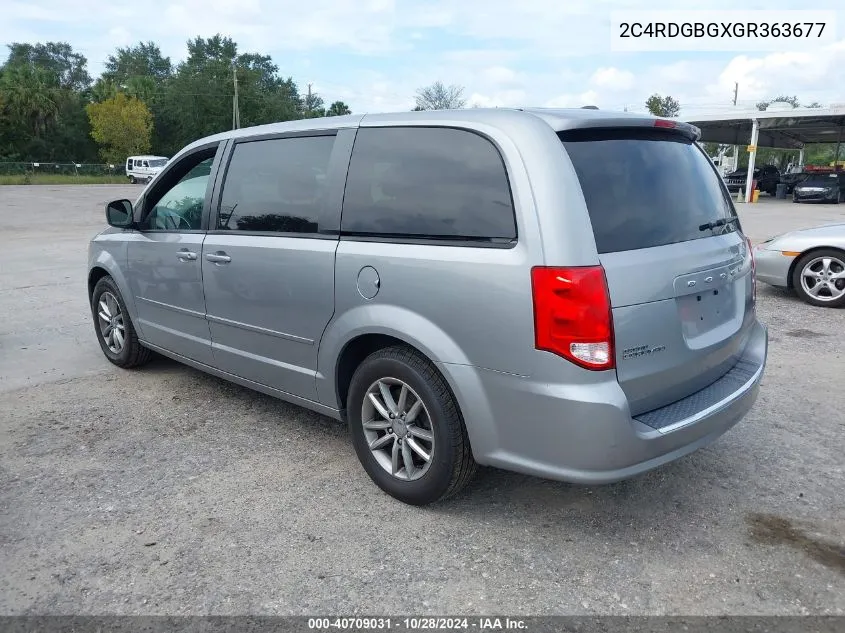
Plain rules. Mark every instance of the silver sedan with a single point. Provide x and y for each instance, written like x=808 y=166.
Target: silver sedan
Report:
x=809 y=261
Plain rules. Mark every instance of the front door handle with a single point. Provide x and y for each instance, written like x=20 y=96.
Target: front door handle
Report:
x=218 y=258
x=186 y=255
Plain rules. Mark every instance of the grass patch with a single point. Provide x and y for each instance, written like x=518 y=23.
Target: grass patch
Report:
x=61 y=179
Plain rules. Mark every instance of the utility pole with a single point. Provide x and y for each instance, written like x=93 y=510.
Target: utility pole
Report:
x=308 y=101
x=236 y=112
x=736 y=91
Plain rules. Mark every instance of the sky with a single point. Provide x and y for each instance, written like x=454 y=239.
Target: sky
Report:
x=375 y=54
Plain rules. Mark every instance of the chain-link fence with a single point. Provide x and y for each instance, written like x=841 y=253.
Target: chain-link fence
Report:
x=64 y=169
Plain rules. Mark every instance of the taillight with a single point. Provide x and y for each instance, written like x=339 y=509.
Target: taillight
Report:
x=572 y=315
x=665 y=123
x=753 y=267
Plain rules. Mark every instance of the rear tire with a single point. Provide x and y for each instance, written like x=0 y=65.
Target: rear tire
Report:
x=132 y=180
x=113 y=326
x=450 y=465
x=809 y=265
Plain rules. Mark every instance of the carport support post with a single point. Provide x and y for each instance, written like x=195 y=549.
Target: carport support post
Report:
x=801 y=159
x=755 y=132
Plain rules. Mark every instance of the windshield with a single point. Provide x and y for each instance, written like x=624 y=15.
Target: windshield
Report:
x=819 y=179
x=647 y=188
x=158 y=162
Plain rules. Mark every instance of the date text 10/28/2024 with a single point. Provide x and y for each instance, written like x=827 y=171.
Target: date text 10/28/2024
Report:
x=416 y=624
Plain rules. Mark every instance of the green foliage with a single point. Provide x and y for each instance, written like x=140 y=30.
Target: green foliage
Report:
x=68 y=70
x=43 y=91
x=663 y=106
x=793 y=101
x=45 y=88
x=338 y=108
x=143 y=60
x=121 y=126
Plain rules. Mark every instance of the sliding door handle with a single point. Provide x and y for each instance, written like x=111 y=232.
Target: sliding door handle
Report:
x=218 y=258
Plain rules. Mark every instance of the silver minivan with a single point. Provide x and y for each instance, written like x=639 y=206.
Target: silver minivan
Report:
x=563 y=293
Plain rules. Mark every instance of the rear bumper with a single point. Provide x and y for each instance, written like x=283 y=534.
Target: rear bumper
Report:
x=585 y=433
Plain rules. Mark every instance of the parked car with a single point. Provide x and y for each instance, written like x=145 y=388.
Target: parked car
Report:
x=792 y=178
x=811 y=262
x=767 y=178
x=144 y=168
x=820 y=187
x=512 y=288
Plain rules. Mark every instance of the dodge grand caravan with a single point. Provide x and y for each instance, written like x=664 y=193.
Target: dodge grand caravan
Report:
x=562 y=293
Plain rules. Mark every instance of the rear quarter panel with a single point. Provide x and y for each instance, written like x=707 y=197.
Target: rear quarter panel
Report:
x=463 y=305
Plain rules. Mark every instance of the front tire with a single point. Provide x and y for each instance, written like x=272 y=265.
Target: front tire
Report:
x=113 y=326
x=819 y=278
x=132 y=180
x=407 y=429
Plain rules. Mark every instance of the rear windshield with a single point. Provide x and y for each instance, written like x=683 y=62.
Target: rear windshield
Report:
x=647 y=188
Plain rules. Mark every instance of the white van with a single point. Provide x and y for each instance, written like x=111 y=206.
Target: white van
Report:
x=144 y=168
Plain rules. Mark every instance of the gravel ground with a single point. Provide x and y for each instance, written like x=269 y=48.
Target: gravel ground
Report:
x=166 y=491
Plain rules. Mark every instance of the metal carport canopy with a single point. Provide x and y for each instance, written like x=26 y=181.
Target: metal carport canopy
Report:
x=787 y=129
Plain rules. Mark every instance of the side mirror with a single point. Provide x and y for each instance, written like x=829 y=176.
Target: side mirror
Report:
x=119 y=214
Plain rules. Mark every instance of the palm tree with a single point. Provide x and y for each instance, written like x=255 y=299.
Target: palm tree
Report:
x=338 y=108
x=102 y=90
x=30 y=94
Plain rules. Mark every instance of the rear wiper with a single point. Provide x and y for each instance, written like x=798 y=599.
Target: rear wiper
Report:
x=717 y=223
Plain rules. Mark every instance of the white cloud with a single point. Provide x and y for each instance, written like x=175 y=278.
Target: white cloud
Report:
x=526 y=53
x=590 y=97
x=613 y=79
x=499 y=75
x=501 y=99
x=680 y=72
x=809 y=76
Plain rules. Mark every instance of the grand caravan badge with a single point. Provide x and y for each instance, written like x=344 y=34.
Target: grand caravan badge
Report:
x=642 y=350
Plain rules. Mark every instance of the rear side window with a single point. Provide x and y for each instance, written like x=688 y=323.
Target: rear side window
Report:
x=276 y=185
x=646 y=188
x=427 y=183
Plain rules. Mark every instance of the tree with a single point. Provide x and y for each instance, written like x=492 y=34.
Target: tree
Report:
x=30 y=96
x=143 y=60
x=793 y=101
x=121 y=126
x=68 y=69
x=197 y=100
x=43 y=88
x=437 y=96
x=663 y=106
x=312 y=105
x=338 y=108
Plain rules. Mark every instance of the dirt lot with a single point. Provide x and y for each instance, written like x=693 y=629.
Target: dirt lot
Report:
x=167 y=491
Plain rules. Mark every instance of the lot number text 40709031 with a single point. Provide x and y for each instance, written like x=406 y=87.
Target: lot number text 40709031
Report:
x=416 y=624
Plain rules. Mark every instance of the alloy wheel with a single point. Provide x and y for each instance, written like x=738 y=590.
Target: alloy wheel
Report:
x=110 y=318
x=823 y=278
x=398 y=428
